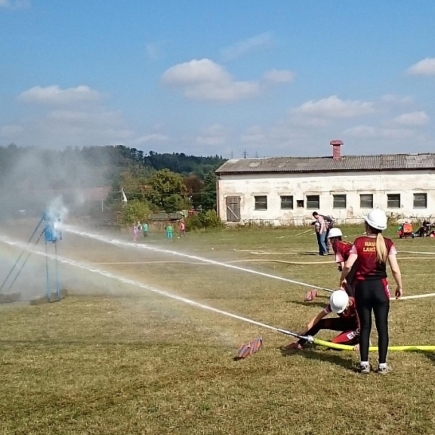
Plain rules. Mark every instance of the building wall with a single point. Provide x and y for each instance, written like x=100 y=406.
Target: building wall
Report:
x=351 y=184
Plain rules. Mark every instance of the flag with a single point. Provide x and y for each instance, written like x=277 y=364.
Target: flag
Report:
x=124 y=198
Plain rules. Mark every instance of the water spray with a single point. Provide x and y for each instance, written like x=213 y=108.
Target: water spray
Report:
x=117 y=242
x=252 y=347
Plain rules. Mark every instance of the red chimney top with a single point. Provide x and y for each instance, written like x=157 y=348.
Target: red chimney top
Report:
x=336 y=144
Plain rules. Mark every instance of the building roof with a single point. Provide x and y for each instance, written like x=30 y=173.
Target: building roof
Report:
x=386 y=162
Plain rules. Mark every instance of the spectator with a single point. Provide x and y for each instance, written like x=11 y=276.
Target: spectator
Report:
x=136 y=229
x=169 y=231
x=320 y=226
x=182 y=228
x=145 y=229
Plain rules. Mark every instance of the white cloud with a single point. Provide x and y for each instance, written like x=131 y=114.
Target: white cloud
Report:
x=412 y=119
x=279 y=76
x=152 y=137
x=240 y=48
x=396 y=99
x=206 y=80
x=367 y=131
x=11 y=130
x=361 y=131
x=57 y=96
x=214 y=135
x=334 y=107
x=425 y=67
x=61 y=128
x=14 y=4
x=254 y=134
x=396 y=133
x=301 y=120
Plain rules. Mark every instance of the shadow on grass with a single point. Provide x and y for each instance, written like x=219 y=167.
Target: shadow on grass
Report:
x=331 y=356
x=313 y=304
x=429 y=355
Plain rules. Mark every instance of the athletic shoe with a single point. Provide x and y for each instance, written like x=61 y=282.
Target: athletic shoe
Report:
x=295 y=346
x=384 y=370
x=364 y=369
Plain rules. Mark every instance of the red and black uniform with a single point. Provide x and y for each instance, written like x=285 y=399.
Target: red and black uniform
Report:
x=372 y=293
x=342 y=252
x=346 y=321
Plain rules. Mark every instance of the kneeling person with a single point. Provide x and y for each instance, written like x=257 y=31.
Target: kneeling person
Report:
x=347 y=321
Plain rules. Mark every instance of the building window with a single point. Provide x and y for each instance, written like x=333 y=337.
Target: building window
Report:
x=261 y=202
x=339 y=201
x=420 y=200
x=300 y=203
x=313 y=202
x=287 y=202
x=366 y=200
x=393 y=200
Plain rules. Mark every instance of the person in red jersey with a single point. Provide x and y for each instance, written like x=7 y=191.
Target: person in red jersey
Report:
x=341 y=250
x=347 y=321
x=373 y=252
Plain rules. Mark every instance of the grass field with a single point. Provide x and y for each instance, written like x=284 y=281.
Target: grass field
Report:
x=114 y=358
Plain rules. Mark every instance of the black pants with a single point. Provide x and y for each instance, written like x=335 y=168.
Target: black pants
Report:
x=334 y=324
x=373 y=296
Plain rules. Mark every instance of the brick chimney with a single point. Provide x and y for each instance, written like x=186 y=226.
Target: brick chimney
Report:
x=336 y=144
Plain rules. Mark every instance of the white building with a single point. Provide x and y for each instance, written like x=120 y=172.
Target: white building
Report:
x=286 y=190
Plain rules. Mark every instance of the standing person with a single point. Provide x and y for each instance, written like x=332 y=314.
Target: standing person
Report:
x=145 y=229
x=347 y=321
x=182 y=228
x=135 y=231
x=373 y=252
x=169 y=231
x=329 y=222
x=320 y=233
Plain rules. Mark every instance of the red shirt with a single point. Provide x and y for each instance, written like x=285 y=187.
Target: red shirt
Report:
x=341 y=250
x=368 y=267
x=349 y=313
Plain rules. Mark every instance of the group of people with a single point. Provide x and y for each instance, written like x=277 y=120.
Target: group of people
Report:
x=181 y=230
x=425 y=230
x=363 y=289
x=139 y=227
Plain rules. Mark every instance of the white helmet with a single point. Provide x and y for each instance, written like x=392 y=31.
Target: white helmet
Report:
x=338 y=301
x=335 y=232
x=377 y=219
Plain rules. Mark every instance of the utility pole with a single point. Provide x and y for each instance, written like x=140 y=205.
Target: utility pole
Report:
x=245 y=153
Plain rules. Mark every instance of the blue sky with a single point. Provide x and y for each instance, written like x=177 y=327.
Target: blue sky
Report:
x=278 y=78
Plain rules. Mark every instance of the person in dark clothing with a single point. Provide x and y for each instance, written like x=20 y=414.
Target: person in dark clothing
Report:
x=320 y=227
x=347 y=321
x=373 y=252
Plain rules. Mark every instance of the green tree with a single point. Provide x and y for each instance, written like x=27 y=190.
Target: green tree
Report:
x=194 y=186
x=166 y=189
x=208 y=192
x=133 y=211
